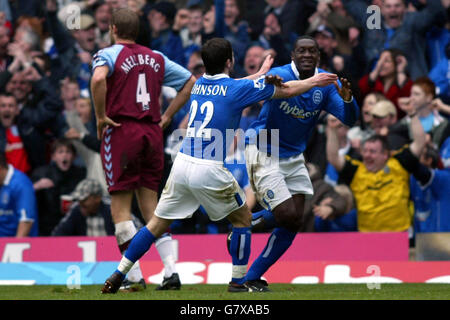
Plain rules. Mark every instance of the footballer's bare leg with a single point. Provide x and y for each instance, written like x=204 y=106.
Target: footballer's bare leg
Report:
x=147 y=200
x=125 y=230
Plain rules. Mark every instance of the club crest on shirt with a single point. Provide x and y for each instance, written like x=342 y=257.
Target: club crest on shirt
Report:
x=270 y=194
x=317 y=96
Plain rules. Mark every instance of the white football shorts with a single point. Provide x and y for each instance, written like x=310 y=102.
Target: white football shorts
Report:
x=193 y=182
x=275 y=180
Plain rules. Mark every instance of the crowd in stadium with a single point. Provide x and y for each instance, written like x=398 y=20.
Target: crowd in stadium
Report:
x=396 y=57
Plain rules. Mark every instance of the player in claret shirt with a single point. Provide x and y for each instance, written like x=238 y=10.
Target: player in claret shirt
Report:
x=126 y=85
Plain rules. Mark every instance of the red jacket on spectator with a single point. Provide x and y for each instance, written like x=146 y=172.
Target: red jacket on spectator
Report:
x=393 y=93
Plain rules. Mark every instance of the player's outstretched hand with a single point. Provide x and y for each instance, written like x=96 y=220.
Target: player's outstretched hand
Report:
x=265 y=67
x=102 y=125
x=276 y=80
x=323 y=79
x=345 y=91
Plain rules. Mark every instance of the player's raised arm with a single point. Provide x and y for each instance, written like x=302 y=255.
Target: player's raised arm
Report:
x=297 y=87
x=98 y=89
x=177 y=103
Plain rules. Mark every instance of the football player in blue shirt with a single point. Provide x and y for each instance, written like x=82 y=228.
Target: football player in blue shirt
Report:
x=198 y=176
x=282 y=182
x=18 y=208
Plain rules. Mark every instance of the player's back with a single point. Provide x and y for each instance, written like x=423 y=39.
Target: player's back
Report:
x=134 y=81
x=216 y=107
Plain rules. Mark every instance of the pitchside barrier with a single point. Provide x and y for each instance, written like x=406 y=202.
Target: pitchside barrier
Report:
x=348 y=257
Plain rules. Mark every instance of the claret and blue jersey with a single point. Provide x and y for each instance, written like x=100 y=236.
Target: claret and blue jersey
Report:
x=296 y=117
x=216 y=106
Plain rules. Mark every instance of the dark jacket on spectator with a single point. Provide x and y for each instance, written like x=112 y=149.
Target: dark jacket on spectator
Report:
x=49 y=199
x=74 y=223
x=322 y=190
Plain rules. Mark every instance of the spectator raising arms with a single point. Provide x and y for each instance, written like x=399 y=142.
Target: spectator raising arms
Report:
x=380 y=182
x=389 y=78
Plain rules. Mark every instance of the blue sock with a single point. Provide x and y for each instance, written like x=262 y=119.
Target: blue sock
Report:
x=267 y=215
x=240 y=253
x=279 y=241
x=139 y=245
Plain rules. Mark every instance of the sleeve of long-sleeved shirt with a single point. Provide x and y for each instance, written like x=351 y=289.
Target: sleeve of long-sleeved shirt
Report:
x=48 y=106
x=63 y=39
x=219 y=27
x=66 y=227
x=347 y=112
x=25 y=201
x=432 y=14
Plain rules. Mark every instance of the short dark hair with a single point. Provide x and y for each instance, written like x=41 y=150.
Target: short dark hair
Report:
x=431 y=152
x=215 y=53
x=127 y=23
x=307 y=37
x=63 y=142
x=377 y=137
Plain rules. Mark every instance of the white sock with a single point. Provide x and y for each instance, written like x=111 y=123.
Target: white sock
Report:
x=166 y=251
x=125 y=231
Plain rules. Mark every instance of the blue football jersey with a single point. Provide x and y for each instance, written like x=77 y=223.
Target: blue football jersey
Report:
x=216 y=106
x=294 y=118
x=432 y=203
x=17 y=203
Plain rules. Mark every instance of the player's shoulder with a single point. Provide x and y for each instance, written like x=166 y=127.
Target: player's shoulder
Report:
x=282 y=71
x=115 y=49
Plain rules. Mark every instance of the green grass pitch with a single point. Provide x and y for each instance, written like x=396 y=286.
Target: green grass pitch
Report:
x=405 y=291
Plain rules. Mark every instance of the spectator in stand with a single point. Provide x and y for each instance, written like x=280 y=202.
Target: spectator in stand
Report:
x=161 y=17
x=272 y=39
x=102 y=16
x=10 y=135
x=70 y=92
x=39 y=107
x=5 y=58
x=326 y=40
x=290 y=14
x=399 y=29
x=359 y=133
x=422 y=97
x=51 y=181
x=441 y=77
x=18 y=212
x=74 y=48
x=430 y=189
x=345 y=148
x=236 y=30
x=325 y=221
x=83 y=135
x=380 y=182
x=389 y=78
x=325 y=202
x=192 y=34
x=181 y=20
x=90 y=214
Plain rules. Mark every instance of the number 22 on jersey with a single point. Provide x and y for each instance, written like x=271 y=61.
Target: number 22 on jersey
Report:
x=142 y=95
x=202 y=132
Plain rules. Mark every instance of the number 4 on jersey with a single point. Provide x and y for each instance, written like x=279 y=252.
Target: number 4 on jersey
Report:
x=142 y=95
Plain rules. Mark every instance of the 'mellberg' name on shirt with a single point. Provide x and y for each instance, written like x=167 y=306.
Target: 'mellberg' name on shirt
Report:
x=140 y=59
x=209 y=90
